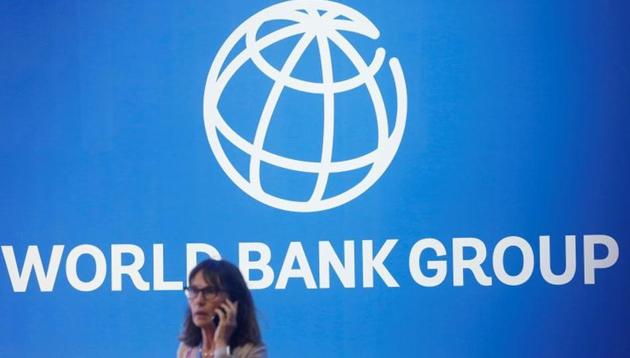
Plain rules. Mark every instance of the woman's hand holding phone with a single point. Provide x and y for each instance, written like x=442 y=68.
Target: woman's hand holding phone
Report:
x=227 y=323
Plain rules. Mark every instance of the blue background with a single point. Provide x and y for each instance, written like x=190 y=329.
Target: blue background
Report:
x=517 y=125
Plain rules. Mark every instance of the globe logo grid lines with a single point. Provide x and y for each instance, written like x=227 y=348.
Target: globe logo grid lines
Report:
x=320 y=22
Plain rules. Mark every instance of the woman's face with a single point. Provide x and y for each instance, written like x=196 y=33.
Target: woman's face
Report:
x=202 y=305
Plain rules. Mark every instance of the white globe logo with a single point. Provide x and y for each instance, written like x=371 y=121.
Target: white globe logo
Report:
x=320 y=21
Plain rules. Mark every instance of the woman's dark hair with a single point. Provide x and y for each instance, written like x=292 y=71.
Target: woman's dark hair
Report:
x=228 y=278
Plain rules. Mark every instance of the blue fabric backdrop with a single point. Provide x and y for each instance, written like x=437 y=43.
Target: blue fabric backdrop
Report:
x=517 y=124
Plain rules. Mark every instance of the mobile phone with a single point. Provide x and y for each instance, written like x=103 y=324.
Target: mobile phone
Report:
x=215 y=320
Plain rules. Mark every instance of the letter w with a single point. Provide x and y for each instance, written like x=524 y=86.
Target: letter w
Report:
x=45 y=279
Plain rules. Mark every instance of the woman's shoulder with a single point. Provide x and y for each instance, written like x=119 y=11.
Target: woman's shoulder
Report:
x=250 y=350
x=182 y=350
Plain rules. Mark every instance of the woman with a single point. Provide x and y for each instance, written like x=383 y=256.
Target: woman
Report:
x=221 y=319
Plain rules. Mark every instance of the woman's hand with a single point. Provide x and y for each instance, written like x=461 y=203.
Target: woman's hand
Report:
x=227 y=323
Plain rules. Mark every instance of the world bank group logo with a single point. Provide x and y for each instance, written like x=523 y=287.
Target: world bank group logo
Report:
x=323 y=25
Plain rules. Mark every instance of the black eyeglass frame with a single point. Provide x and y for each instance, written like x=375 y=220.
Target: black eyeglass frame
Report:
x=208 y=292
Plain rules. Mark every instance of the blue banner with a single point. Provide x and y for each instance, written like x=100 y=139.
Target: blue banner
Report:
x=409 y=178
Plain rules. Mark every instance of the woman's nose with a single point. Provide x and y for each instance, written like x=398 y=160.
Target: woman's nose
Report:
x=200 y=299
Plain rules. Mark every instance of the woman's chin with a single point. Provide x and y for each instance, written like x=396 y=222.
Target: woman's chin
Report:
x=201 y=320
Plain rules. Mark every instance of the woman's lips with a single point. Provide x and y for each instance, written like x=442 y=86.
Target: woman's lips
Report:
x=202 y=314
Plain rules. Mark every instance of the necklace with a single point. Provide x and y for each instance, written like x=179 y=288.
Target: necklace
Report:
x=202 y=354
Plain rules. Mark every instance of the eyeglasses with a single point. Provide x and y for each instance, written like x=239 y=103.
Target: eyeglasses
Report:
x=208 y=292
